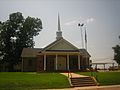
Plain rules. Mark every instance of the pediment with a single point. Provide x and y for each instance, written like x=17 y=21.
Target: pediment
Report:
x=61 y=44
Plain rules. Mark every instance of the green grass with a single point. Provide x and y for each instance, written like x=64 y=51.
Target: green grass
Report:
x=30 y=81
x=105 y=78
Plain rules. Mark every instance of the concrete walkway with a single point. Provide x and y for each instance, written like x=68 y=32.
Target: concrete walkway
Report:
x=74 y=75
x=112 y=87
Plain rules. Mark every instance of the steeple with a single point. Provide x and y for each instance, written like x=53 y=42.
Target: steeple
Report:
x=59 y=29
x=59 y=32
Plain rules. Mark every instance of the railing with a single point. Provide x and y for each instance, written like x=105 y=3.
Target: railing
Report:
x=94 y=74
x=69 y=74
x=69 y=78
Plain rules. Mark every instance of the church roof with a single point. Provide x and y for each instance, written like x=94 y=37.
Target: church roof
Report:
x=60 y=45
x=30 y=52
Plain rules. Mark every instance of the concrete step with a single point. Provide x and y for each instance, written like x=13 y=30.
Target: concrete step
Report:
x=82 y=81
x=81 y=78
x=75 y=82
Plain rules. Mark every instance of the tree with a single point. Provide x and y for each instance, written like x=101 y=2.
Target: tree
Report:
x=117 y=53
x=15 y=34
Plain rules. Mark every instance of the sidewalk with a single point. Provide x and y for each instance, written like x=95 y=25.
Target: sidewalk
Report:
x=112 y=87
x=74 y=75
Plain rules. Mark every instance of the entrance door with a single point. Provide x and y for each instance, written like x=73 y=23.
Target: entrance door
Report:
x=50 y=63
x=61 y=62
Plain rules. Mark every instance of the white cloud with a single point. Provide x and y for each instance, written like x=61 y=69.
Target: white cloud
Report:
x=71 y=23
x=89 y=20
x=80 y=20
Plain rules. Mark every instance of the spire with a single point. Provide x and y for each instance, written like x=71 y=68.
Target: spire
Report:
x=59 y=32
x=59 y=29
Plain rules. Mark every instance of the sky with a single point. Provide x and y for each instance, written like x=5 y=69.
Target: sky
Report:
x=101 y=18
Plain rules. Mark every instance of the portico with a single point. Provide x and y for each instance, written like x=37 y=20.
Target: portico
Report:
x=60 y=61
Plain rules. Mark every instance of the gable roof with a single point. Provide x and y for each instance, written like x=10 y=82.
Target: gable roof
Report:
x=60 y=44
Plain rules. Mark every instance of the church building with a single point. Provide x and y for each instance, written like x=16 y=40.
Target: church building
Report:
x=60 y=55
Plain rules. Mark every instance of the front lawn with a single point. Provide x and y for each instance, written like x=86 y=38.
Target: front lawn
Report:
x=105 y=78
x=30 y=80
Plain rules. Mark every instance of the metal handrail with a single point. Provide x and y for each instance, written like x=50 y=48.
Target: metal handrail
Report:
x=69 y=74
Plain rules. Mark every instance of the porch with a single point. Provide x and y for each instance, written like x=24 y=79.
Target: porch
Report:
x=61 y=61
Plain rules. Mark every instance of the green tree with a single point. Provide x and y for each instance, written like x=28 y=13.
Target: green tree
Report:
x=117 y=53
x=15 y=34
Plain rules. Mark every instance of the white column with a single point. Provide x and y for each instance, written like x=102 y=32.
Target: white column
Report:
x=56 y=59
x=67 y=61
x=44 y=62
x=79 y=62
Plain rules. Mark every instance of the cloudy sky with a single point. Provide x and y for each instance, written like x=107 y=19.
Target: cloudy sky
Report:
x=102 y=19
